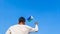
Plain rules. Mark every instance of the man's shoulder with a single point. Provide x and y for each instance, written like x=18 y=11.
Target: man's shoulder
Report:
x=18 y=25
x=27 y=26
x=13 y=26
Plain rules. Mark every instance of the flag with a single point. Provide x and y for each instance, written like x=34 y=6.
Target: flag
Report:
x=30 y=19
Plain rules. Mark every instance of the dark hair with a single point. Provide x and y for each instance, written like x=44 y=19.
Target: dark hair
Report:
x=22 y=19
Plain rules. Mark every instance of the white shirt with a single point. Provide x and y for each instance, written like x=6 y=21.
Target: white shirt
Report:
x=21 y=29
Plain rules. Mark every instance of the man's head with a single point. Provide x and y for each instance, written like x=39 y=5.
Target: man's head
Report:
x=22 y=20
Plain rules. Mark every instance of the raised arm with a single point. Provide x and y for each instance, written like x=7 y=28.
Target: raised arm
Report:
x=34 y=29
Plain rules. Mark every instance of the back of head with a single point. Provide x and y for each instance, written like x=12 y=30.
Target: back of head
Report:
x=22 y=20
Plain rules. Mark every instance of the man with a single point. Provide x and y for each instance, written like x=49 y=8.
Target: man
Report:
x=21 y=28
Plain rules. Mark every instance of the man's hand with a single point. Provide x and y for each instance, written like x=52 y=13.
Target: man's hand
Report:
x=36 y=23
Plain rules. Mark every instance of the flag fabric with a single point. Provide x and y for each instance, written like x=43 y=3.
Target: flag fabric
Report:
x=30 y=19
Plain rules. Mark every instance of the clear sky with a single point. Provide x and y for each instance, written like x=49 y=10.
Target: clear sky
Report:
x=46 y=12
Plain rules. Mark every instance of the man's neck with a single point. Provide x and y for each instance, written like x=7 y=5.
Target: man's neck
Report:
x=21 y=24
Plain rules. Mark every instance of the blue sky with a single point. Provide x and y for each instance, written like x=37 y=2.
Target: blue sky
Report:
x=46 y=12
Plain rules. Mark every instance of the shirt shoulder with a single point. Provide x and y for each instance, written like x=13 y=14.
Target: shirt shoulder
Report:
x=13 y=26
x=28 y=27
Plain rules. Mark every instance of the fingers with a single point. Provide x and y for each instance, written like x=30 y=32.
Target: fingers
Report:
x=36 y=23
